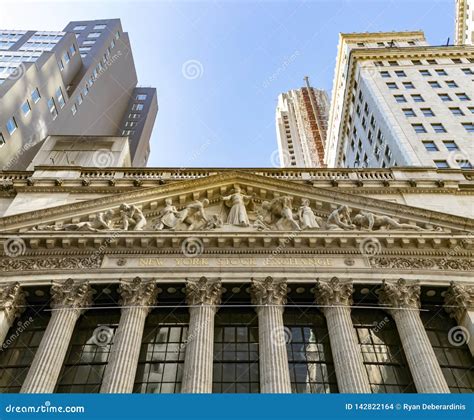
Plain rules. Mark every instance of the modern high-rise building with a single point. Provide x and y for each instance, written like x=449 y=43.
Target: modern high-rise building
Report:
x=79 y=82
x=301 y=123
x=398 y=101
x=464 y=22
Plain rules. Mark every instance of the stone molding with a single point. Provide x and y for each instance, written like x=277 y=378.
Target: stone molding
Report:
x=138 y=293
x=203 y=292
x=268 y=291
x=12 y=301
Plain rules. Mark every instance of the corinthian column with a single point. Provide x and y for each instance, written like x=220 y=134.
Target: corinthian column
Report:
x=269 y=296
x=12 y=304
x=403 y=304
x=335 y=298
x=459 y=303
x=203 y=297
x=68 y=301
x=136 y=298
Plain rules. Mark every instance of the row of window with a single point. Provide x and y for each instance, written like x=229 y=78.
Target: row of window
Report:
x=66 y=58
x=129 y=125
x=424 y=72
x=436 y=85
x=428 y=112
x=443 y=164
x=445 y=97
x=395 y=63
x=388 y=44
x=439 y=128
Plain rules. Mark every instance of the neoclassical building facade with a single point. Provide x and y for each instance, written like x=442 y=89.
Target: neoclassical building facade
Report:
x=229 y=281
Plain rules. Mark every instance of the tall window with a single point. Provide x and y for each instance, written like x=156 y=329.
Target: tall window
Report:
x=88 y=352
x=453 y=356
x=160 y=366
x=309 y=353
x=382 y=352
x=19 y=349
x=236 y=352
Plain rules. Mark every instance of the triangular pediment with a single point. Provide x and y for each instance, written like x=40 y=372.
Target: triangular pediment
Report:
x=268 y=204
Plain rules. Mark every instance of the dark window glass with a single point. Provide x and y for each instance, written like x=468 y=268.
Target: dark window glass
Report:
x=88 y=352
x=382 y=352
x=236 y=367
x=19 y=349
x=309 y=353
x=454 y=357
x=160 y=367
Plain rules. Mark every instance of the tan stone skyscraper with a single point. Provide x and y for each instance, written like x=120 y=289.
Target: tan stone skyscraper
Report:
x=464 y=22
x=301 y=121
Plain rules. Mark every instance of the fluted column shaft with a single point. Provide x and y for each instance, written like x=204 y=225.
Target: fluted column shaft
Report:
x=197 y=375
x=68 y=302
x=119 y=375
x=12 y=304
x=403 y=303
x=269 y=296
x=203 y=296
x=335 y=297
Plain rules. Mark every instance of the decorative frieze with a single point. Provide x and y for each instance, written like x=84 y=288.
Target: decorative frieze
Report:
x=51 y=263
x=405 y=263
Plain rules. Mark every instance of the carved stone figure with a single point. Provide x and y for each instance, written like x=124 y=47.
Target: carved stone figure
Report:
x=102 y=221
x=194 y=215
x=238 y=213
x=132 y=217
x=213 y=222
x=260 y=224
x=168 y=216
x=280 y=213
x=340 y=219
x=306 y=216
x=369 y=221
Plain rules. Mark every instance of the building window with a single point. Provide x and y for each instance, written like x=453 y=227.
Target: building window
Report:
x=425 y=73
x=309 y=353
x=26 y=108
x=471 y=109
x=74 y=109
x=60 y=98
x=141 y=97
x=416 y=62
x=430 y=146
x=462 y=97
x=236 y=360
x=66 y=57
x=382 y=352
x=87 y=355
x=456 y=60
x=409 y=112
x=72 y=50
x=455 y=360
x=79 y=28
x=400 y=98
x=15 y=360
x=456 y=111
x=384 y=74
x=392 y=85
x=441 y=72
x=117 y=35
x=61 y=65
x=88 y=42
x=438 y=128
x=137 y=107
x=444 y=97
x=99 y=27
x=431 y=61
x=417 y=98
x=469 y=126
x=393 y=63
x=450 y=145
x=464 y=164
x=35 y=95
x=408 y=85
x=52 y=108
x=434 y=84
x=468 y=72
x=160 y=365
x=441 y=164
x=451 y=83
x=94 y=35
x=427 y=112
x=85 y=90
x=419 y=128
x=400 y=73
x=2 y=140
x=11 y=125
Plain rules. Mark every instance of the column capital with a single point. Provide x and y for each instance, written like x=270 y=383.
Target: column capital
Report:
x=138 y=292
x=12 y=301
x=334 y=292
x=71 y=295
x=400 y=294
x=203 y=292
x=268 y=291
x=458 y=299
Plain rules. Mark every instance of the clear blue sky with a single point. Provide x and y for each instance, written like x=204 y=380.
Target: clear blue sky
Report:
x=248 y=51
